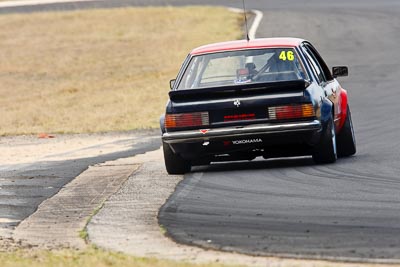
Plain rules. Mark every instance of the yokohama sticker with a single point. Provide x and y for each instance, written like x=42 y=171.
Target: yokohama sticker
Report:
x=246 y=141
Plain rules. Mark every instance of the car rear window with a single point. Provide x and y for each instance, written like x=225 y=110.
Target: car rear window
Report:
x=242 y=67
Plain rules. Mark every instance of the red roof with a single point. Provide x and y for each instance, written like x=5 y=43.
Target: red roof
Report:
x=244 y=44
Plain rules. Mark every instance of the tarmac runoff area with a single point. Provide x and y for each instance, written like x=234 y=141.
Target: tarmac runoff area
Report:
x=51 y=184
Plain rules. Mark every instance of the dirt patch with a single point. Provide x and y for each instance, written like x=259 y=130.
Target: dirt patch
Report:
x=26 y=149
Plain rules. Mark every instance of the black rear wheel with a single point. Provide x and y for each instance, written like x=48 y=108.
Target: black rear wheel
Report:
x=346 y=141
x=174 y=163
x=325 y=150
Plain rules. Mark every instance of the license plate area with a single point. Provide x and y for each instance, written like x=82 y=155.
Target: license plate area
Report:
x=238 y=115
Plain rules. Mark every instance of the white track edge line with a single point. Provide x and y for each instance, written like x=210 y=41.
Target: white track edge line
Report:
x=37 y=2
x=256 y=23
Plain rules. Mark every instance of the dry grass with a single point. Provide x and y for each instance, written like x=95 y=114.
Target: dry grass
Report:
x=98 y=70
x=89 y=257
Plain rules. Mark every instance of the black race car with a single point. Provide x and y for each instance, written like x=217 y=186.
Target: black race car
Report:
x=238 y=100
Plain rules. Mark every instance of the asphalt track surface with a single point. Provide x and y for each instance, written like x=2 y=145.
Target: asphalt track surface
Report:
x=347 y=210
x=293 y=207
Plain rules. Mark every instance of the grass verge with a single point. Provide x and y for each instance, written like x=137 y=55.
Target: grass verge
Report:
x=89 y=257
x=98 y=70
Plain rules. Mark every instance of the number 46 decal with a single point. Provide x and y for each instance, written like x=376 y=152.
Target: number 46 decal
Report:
x=286 y=55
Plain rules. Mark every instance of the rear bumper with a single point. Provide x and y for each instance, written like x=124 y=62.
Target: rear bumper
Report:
x=233 y=132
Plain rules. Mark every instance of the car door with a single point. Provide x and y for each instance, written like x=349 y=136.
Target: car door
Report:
x=323 y=76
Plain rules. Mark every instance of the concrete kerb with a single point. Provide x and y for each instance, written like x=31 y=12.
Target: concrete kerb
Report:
x=59 y=219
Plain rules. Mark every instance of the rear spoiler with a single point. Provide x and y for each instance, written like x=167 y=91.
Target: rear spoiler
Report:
x=239 y=90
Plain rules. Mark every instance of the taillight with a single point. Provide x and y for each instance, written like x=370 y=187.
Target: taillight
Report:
x=182 y=120
x=291 y=112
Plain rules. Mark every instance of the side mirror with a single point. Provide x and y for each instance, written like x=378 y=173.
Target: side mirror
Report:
x=340 y=71
x=172 y=83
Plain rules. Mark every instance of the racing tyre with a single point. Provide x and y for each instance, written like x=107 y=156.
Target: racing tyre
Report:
x=325 y=150
x=346 y=141
x=174 y=163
